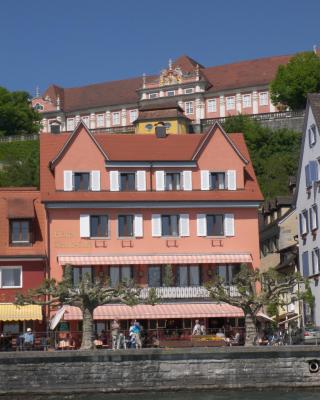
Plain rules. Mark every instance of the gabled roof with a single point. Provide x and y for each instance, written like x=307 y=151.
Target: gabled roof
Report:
x=186 y=63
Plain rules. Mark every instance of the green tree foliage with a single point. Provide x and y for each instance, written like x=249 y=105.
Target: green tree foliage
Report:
x=19 y=164
x=295 y=80
x=274 y=154
x=17 y=117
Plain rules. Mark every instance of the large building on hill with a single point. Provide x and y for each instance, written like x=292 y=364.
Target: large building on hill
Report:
x=201 y=92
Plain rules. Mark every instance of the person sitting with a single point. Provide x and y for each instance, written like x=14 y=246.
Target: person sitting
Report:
x=203 y=329
x=28 y=339
x=220 y=334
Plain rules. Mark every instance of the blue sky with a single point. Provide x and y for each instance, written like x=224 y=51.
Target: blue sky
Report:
x=78 y=42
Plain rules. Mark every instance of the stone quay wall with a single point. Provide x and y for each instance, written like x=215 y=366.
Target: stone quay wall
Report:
x=158 y=369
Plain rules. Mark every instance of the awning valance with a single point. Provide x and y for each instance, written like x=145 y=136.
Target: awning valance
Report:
x=12 y=312
x=158 y=311
x=220 y=258
x=20 y=208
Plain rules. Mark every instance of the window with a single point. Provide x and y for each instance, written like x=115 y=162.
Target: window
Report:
x=170 y=225
x=153 y=95
x=55 y=127
x=215 y=225
x=155 y=276
x=81 y=181
x=188 y=90
x=303 y=217
x=133 y=115
x=38 y=107
x=212 y=105
x=315 y=261
x=230 y=102
x=173 y=181
x=10 y=277
x=246 y=100
x=127 y=182
x=314 y=217
x=188 y=275
x=170 y=93
x=125 y=225
x=86 y=121
x=70 y=124
x=78 y=273
x=120 y=274
x=98 y=226
x=188 y=107
x=217 y=180
x=263 y=98
x=116 y=118
x=227 y=272
x=312 y=133
x=20 y=231
x=100 y=120
x=305 y=264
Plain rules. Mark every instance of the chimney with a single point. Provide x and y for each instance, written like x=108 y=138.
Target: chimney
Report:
x=161 y=130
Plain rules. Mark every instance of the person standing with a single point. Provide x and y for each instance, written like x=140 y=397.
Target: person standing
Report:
x=197 y=328
x=115 y=328
x=28 y=339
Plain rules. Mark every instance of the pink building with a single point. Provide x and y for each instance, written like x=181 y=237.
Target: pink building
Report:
x=167 y=211
x=202 y=92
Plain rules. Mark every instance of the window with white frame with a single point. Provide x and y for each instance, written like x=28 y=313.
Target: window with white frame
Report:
x=38 y=107
x=230 y=102
x=188 y=107
x=312 y=133
x=10 y=277
x=133 y=115
x=246 y=100
x=70 y=124
x=172 y=181
x=263 y=98
x=212 y=105
x=86 y=120
x=100 y=121
x=314 y=217
x=170 y=93
x=153 y=95
x=217 y=180
x=116 y=118
x=215 y=225
x=188 y=90
x=315 y=261
x=303 y=220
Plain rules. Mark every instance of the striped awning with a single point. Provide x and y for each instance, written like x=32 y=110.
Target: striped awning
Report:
x=12 y=312
x=155 y=259
x=158 y=311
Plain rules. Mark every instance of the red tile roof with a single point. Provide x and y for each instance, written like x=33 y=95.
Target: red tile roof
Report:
x=222 y=77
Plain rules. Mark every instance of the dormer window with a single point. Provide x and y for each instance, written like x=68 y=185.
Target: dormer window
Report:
x=217 y=180
x=173 y=181
x=20 y=232
x=38 y=107
x=188 y=91
x=170 y=93
x=153 y=95
x=127 y=182
x=81 y=181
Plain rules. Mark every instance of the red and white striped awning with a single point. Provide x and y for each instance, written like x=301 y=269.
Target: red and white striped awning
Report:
x=158 y=311
x=219 y=258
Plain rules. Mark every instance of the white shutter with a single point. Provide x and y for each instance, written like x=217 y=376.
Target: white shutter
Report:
x=187 y=180
x=67 y=181
x=84 y=225
x=95 y=181
x=229 y=225
x=114 y=181
x=160 y=180
x=201 y=225
x=141 y=180
x=232 y=180
x=156 y=225
x=184 y=225
x=205 y=180
x=138 y=225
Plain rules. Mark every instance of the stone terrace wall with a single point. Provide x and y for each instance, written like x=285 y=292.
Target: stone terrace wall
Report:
x=180 y=369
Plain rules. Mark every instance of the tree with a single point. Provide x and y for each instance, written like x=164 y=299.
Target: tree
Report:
x=17 y=117
x=87 y=296
x=256 y=290
x=274 y=154
x=295 y=80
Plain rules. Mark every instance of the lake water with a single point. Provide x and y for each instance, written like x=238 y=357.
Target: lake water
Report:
x=201 y=395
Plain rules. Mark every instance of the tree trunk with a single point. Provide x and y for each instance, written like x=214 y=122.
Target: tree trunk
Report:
x=87 y=329
x=251 y=330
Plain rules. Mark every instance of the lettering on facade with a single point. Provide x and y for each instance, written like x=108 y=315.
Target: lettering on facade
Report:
x=73 y=245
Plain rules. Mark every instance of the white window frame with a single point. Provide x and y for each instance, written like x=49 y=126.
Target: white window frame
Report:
x=189 y=107
x=316 y=260
x=133 y=115
x=70 y=124
x=263 y=98
x=246 y=100
x=211 y=105
x=314 y=217
x=312 y=133
x=171 y=91
x=153 y=95
x=188 y=90
x=116 y=120
x=100 y=120
x=86 y=120
x=11 y=267
x=304 y=222
x=230 y=103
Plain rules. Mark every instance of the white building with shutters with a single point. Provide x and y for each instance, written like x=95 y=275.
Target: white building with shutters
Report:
x=308 y=203
x=135 y=206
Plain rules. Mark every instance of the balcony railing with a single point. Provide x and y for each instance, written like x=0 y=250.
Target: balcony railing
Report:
x=185 y=292
x=114 y=129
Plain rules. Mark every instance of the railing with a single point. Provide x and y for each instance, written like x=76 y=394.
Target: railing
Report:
x=186 y=292
x=18 y=138
x=115 y=129
x=257 y=117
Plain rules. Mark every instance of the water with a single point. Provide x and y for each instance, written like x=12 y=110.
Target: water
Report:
x=202 y=395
